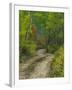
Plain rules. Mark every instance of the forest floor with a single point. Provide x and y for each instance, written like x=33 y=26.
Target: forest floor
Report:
x=36 y=67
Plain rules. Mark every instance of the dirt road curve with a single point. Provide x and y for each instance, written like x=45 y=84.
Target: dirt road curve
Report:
x=36 y=67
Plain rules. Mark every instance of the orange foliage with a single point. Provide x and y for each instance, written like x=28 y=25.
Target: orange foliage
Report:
x=34 y=29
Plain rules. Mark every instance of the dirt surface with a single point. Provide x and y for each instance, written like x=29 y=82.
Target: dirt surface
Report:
x=36 y=67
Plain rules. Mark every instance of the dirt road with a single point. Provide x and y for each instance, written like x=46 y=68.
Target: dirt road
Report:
x=36 y=67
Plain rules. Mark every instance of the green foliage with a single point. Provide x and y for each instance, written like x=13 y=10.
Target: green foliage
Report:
x=57 y=65
x=49 y=32
x=29 y=48
x=52 y=48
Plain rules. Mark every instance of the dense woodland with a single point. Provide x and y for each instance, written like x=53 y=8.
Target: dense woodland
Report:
x=42 y=30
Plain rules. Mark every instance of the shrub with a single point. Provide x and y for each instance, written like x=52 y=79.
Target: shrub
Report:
x=52 y=48
x=57 y=65
x=28 y=48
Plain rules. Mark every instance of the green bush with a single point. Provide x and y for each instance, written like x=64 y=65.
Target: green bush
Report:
x=29 y=48
x=57 y=65
x=52 y=48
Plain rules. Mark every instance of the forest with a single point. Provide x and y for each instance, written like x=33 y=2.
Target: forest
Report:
x=41 y=34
